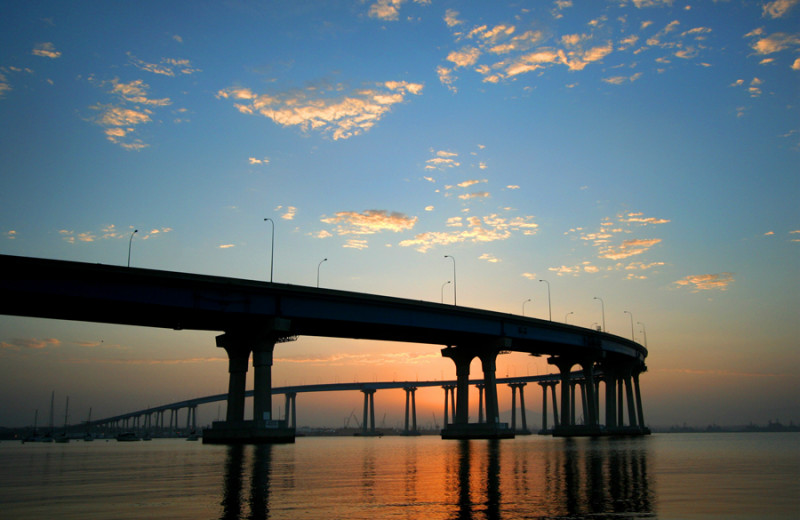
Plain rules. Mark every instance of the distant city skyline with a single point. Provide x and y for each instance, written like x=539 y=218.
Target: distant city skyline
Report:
x=644 y=153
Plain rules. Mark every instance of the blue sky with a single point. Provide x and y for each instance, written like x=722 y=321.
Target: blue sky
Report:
x=644 y=152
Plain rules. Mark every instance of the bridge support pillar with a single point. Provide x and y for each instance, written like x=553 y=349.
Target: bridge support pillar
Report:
x=567 y=427
x=461 y=428
x=263 y=428
x=369 y=413
x=514 y=388
x=411 y=395
x=291 y=409
x=481 y=387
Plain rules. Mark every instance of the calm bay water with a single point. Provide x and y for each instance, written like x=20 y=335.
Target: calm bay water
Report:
x=667 y=476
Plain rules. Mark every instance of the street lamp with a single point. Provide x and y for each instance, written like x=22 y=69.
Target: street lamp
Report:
x=631 y=315
x=455 y=296
x=567 y=316
x=445 y=283
x=523 y=306
x=644 y=332
x=272 y=250
x=320 y=265
x=603 y=308
x=129 y=246
x=549 y=308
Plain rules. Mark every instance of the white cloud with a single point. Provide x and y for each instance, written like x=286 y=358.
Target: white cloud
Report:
x=46 y=50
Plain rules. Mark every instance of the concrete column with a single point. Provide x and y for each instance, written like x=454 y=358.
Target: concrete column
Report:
x=555 y=404
x=414 y=409
x=620 y=407
x=584 y=402
x=447 y=390
x=544 y=406
x=638 y=392
x=238 y=355
x=564 y=367
x=590 y=399
x=262 y=379
x=372 y=411
x=631 y=404
x=411 y=406
x=462 y=357
x=513 y=407
x=572 y=404
x=369 y=411
x=611 y=400
x=488 y=362
x=291 y=410
x=481 y=408
x=522 y=406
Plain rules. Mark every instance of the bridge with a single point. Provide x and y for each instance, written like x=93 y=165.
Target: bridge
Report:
x=144 y=419
x=255 y=316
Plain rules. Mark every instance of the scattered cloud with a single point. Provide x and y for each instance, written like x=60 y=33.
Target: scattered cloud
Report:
x=442 y=159
x=226 y=246
x=372 y=358
x=254 y=160
x=5 y=86
x=529 y=276
x=778 y=8
x=487 y=229
x=389 y=10
x=133 y=107
x=489 y=258
x=369 y=222
x=10 y=234
x=706 y=282
x=46 y=50
x=109 y=232
x=325 y=110
x=165 y=67
x=290 y=213
x=29 y=343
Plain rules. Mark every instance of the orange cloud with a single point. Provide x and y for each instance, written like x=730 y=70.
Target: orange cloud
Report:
x=706 y=282
x=370 y=222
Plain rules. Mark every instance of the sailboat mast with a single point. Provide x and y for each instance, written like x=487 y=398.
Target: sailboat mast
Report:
x=52 y=403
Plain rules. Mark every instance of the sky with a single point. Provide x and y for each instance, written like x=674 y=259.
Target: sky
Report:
x=640 y=156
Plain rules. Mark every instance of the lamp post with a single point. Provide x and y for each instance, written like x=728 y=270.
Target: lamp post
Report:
x=272 y=249
x=549 y=308
x=603 y=309
x=455 y=296
x=320 y=265
x=130 y=241
x=644 y=333
x=523 y=306
x=633 y=337
x=567 y=316
x=445 y=283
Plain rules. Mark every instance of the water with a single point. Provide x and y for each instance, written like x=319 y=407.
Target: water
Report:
x=667 y=476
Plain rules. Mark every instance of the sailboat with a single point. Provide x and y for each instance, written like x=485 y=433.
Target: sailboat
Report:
x=62 y=437
x=88 y=437
x=36 y=436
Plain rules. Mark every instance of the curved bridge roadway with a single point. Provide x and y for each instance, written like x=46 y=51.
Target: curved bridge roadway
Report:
x=255 y=316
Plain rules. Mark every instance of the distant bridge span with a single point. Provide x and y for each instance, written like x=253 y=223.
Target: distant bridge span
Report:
x=256 y=315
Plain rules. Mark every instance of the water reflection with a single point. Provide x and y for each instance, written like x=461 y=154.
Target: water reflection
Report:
x=576 y=478
x=259 y=488
x=476 y=479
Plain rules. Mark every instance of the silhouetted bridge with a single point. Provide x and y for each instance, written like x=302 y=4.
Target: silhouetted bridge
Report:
x=255 y=316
